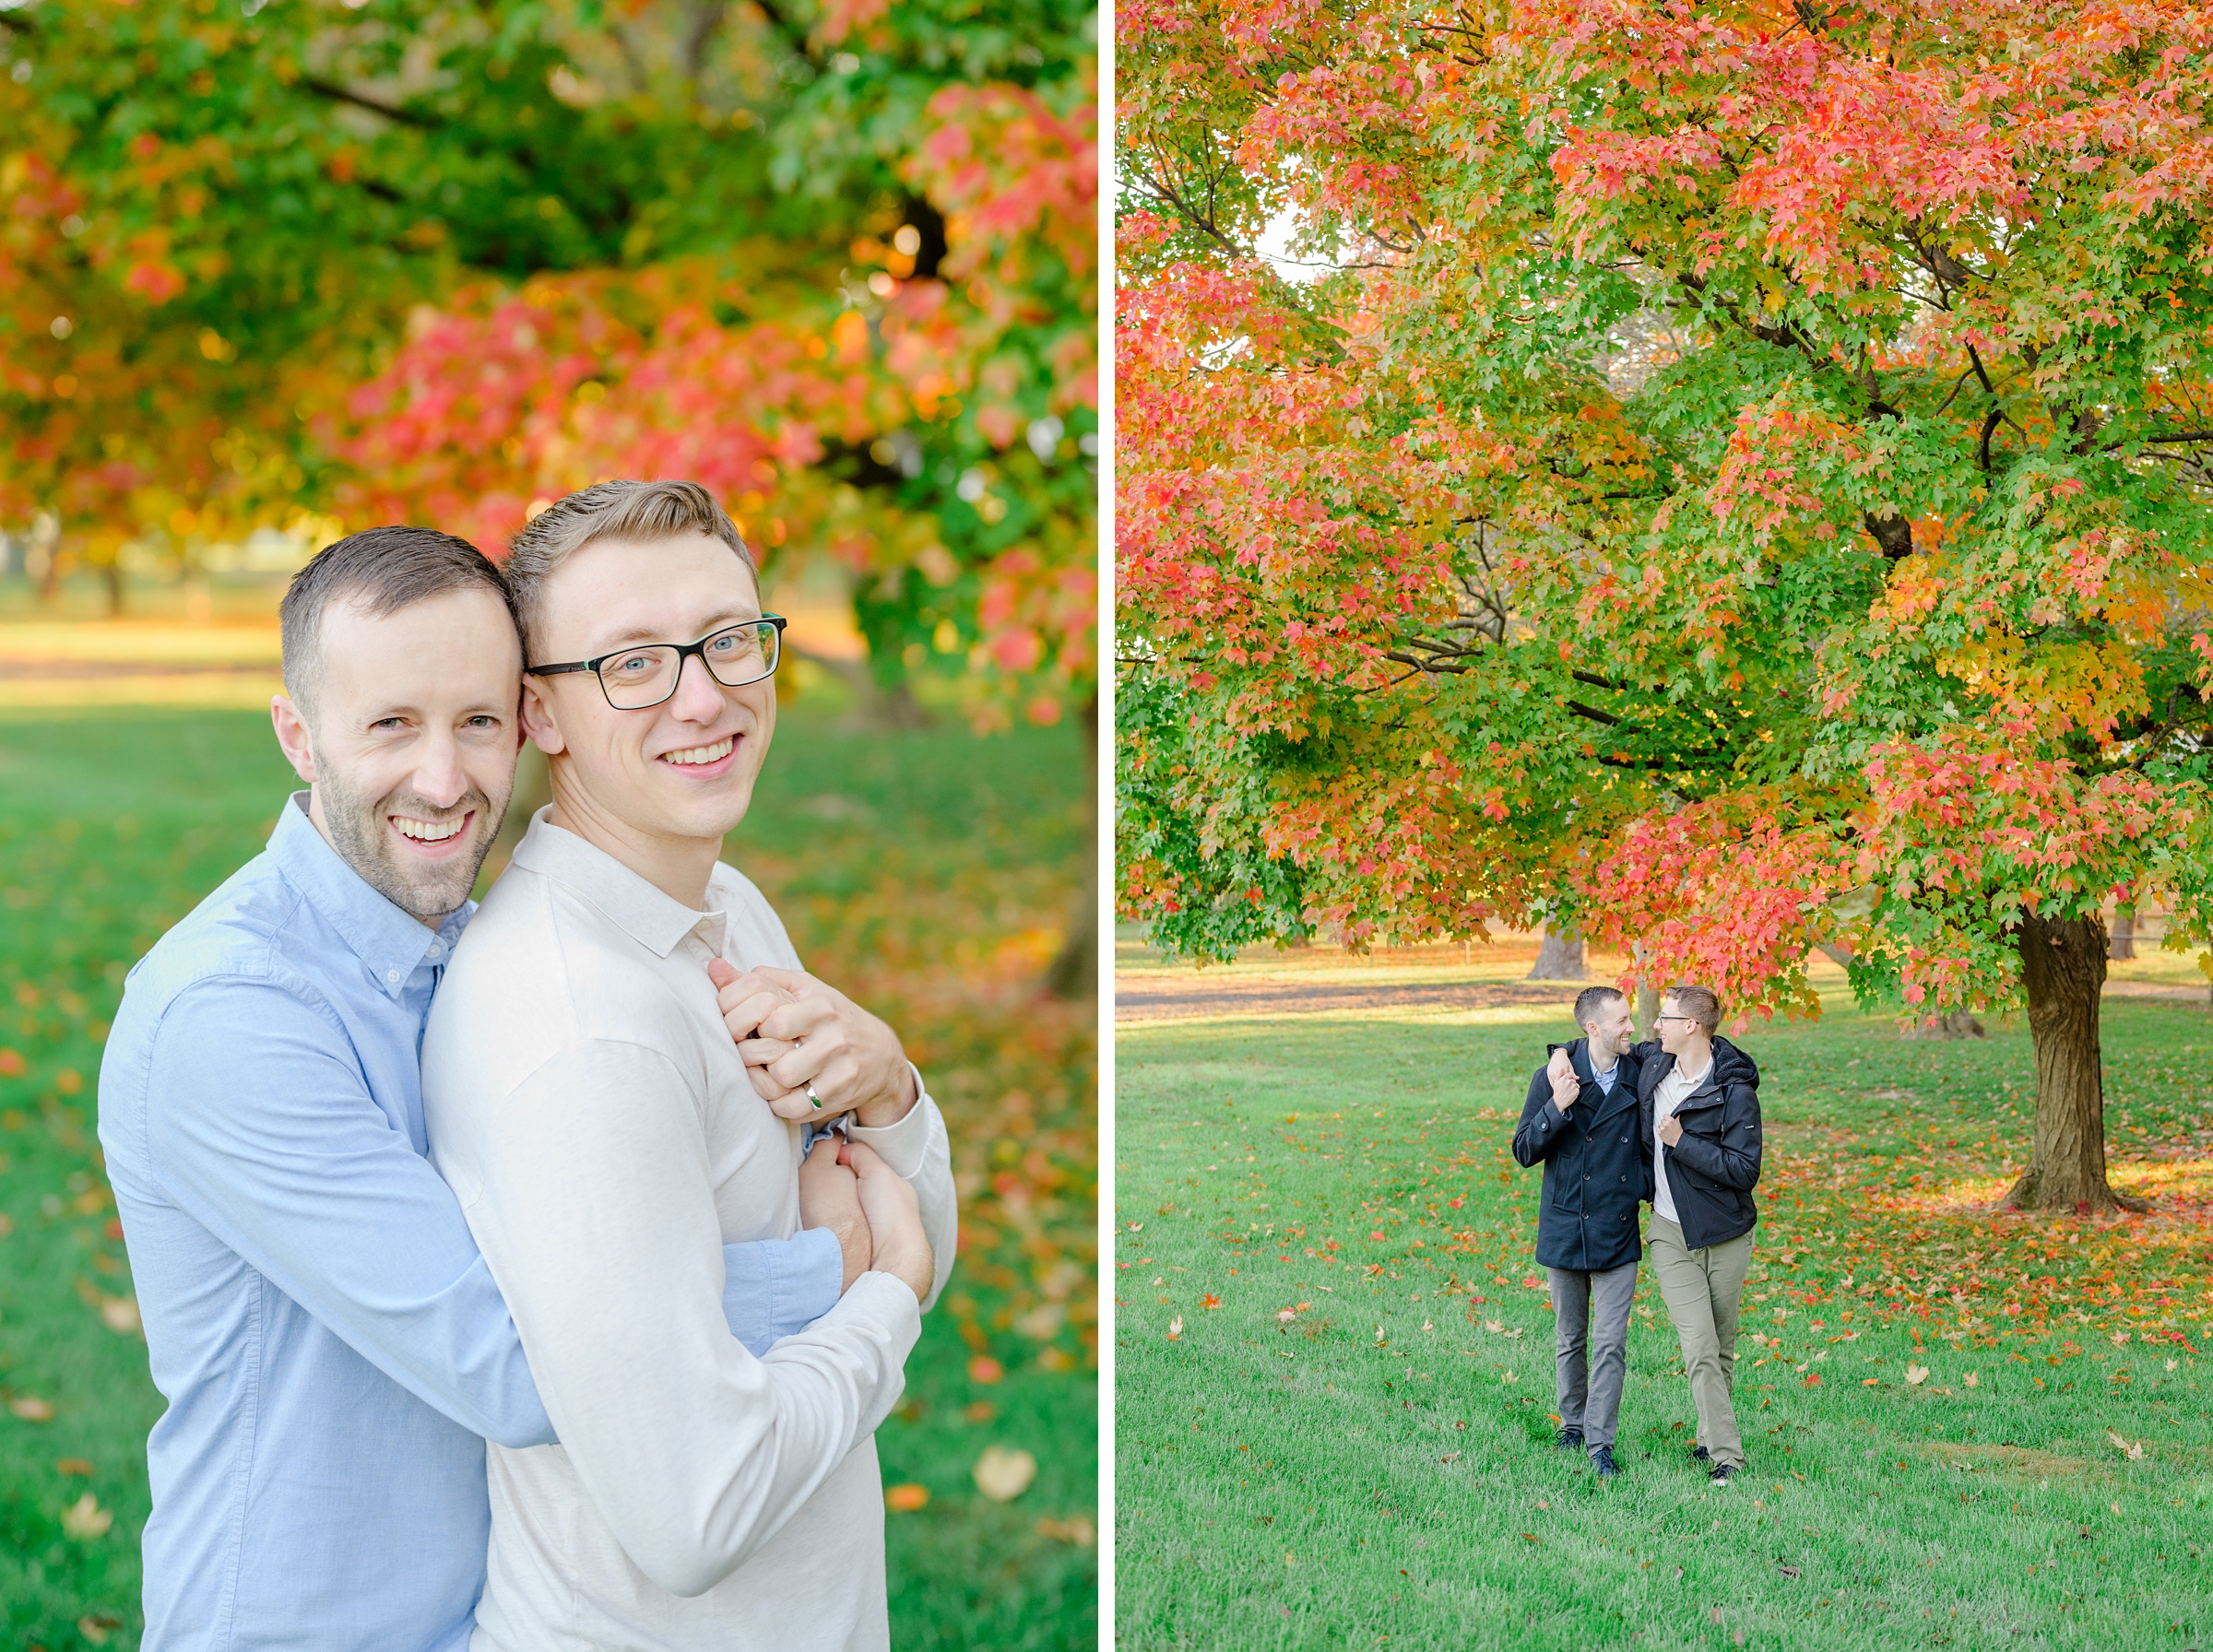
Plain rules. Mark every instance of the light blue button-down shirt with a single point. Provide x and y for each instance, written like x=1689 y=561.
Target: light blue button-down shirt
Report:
x=332 y=1347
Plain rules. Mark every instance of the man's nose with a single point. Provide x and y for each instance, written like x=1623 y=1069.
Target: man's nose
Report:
x=698 y=697
x=438 y=774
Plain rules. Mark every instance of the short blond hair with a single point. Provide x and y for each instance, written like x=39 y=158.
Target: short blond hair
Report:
x=644 y=511
x=1700 y=1004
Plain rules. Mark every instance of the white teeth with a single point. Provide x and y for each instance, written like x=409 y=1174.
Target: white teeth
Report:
x=702 y=754
x=425 y=831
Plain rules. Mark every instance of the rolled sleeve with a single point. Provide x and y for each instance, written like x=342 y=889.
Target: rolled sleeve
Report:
x=773 y=1288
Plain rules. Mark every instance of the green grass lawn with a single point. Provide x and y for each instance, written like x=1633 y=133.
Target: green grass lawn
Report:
x=1377 y=1471
x=927 y=873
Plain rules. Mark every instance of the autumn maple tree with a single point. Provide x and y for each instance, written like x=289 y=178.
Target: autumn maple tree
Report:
x=436 y=260
x=1732 y=479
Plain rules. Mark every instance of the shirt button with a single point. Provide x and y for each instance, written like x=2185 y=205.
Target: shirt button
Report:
x=393 y=976
x=437 y=948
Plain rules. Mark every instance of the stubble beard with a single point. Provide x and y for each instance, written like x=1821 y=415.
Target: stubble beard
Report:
x=359 y=834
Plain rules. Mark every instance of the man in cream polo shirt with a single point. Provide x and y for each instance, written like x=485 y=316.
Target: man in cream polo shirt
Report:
x=586 y=1100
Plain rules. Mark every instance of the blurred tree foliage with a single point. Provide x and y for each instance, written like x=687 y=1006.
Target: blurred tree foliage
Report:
x=272 y=262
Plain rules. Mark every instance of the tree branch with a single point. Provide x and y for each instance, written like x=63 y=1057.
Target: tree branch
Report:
x=391 y=111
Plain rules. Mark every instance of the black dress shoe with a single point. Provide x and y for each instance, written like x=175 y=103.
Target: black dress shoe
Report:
x=1571 y=1439
x=1601 y=1461
x=1700 y=1454
x=1723 y=1473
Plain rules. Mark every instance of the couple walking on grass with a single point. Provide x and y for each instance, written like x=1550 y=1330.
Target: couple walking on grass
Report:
x=1674 y=1121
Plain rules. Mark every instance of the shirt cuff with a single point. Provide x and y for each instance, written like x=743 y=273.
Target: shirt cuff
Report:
x=810 y=1287
x=904 y=1145
x=773 y=1288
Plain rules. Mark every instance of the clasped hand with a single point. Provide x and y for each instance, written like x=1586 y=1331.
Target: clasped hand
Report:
x=794 y=1032
x=871 y=1209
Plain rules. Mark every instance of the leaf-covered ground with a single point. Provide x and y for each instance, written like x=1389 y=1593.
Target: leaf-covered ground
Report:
x=929 y=873
x=1334 y=1355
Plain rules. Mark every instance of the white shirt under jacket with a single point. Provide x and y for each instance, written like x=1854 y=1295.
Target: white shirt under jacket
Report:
x=1668 y=1097
x=588 y=1106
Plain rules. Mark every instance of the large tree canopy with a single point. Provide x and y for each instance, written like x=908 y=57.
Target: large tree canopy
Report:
x=437 y=260
x=1740 y=480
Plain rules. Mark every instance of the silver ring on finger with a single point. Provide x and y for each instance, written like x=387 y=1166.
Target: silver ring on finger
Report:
x=813 y=1098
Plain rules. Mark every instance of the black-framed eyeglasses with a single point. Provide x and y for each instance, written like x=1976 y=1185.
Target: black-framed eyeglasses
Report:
x=641 y=676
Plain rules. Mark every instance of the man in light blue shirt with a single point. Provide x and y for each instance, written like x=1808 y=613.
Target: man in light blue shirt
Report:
x=332 y=1346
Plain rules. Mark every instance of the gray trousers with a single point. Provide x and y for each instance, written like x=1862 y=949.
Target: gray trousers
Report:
x=1590 y=1389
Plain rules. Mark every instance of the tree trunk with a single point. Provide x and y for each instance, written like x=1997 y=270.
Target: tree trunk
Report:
x=2122 y=942
x=2062 y=965
x=1958 y=1023
x=1074 y=970
x=1648 y=999
x=1559 y=958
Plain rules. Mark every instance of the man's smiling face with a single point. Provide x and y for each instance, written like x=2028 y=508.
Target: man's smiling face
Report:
x=410 y=743
x=684 y=768
x=1613 y=1029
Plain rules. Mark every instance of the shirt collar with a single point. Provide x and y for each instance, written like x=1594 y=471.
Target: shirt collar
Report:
x=391 y=942
x=648 y=916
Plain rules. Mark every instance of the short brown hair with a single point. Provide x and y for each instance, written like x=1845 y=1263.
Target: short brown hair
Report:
x=1700 y=1004
x=646 y=511
x=380 y=570
x=1591 y=1001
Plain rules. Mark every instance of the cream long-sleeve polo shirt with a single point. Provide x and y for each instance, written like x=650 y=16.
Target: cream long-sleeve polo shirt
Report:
x=589 y=1108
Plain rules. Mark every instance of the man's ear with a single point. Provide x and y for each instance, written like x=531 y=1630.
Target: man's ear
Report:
x=292 y=737
x=539 y=721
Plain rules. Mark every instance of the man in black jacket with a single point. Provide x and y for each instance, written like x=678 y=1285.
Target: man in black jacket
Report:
x=1699 y=1096
x=1584 y=1132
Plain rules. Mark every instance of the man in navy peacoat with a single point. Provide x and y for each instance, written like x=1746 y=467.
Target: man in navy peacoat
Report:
x=1597 y=1170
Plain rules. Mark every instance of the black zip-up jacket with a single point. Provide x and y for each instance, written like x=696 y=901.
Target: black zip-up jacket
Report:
x=1595 y=1169
x=1714 y=1168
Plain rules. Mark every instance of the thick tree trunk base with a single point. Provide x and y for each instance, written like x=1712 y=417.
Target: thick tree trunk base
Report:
x=1957 y=1024
x=1559 y=958
x=2062 y=965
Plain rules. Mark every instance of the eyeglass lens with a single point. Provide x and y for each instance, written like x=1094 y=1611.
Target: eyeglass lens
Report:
x=638 y=678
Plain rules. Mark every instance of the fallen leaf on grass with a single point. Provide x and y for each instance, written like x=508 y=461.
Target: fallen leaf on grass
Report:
x=120 y=1314
x=31 y=1409
x=1787 y=1571
x=1075 y=1529
x=1917 y=1375
x=1002 y=1474
x=74 y=1465
x=85 y=1519
x=2131 y=1449
x=985 y=1369
x=1284 y=1316
x=1210 y=1300
x=905 y=1499
x=1971 y=1380
x=1176 y=1327
x=1449 y=1456
x=97 y=1626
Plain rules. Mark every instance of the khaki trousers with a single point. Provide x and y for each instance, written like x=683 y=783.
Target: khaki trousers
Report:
x=1702 y=1288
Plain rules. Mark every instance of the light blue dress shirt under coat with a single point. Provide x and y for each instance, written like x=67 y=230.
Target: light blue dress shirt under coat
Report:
x=332 y=1347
